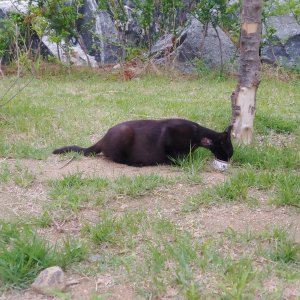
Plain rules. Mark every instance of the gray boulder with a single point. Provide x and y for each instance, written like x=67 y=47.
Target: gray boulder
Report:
x=2 y=14
x=13 y=5
x=76 y=54
x=133 y=33
x=285 y=45
x=212 y=46
x=99 y=34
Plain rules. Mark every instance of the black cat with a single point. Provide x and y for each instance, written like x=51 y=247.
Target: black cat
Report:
x=151 y=142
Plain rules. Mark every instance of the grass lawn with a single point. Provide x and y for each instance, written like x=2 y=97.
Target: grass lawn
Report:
x=179 y=232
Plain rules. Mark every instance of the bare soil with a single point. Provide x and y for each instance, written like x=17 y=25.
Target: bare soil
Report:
x=16 y=201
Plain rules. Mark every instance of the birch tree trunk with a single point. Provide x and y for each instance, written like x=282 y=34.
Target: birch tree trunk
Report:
x=244 y=97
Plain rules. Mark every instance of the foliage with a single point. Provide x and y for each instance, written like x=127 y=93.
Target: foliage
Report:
x=218 y=13
x=277 y=7
x=7 y=33
x=23 y=254
x=116 y=8
x=61 y=18
x=56 y=18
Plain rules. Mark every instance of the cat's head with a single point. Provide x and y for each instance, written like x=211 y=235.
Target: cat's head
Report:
x=221 y=145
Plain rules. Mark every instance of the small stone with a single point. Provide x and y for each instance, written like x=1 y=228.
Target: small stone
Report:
x=49 y=280
x=95 y=257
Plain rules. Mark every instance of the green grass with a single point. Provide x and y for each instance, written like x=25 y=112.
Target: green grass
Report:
x=267 y=157
x=23 y=254
x=23 y=177
x=139 y=185
x=165 y=247
x=278 y=124
x=237 y=189
x=275 y=245
x=44 y=220
x=74 y=190
x=281 y=248
x=4 y=173
x=158 y=253
x=238 y=276
x=193 y=164
x=18 y=174
x=155 y=252
x=37 y=121
x=116 y=230
x=288 y=191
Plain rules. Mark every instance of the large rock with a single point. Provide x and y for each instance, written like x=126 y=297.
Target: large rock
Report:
x=194 y=44
x=2 y=14
x=133 y=33
x=285 y=45
x=13 y=5
x=99 y=34
x=77 y=55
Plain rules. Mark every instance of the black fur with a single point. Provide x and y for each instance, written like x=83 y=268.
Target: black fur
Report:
x=151 y=142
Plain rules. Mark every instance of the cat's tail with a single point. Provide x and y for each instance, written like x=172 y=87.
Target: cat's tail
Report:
x=93 y=150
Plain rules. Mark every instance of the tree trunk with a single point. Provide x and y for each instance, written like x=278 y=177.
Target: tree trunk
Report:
x=244 y=97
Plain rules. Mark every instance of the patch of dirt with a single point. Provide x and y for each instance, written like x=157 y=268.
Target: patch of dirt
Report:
x=16 y=201
x=276 y=139
x=54 y=167
x=290 y=291
x=167 y=201
x=241 y=218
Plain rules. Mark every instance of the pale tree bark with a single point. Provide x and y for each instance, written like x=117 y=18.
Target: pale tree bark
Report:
x=244 y=97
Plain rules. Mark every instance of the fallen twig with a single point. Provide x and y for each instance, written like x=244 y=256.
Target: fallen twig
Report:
x=68 y=162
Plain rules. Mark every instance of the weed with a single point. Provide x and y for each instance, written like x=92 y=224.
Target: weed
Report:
x=73 y=251
x=21 y=176
x=236 y=189
x=280 y=248
x=4 y=173
x=71 y=191
x=139 y=185
x=23 y=254
x=237 y=279
x=285 y=251
x=24 y=177
x=275 y=123
x=43 y=220
x=192 y=164
x=266 y=157
x=115 y=230
x=288 y=190
x=22 y=150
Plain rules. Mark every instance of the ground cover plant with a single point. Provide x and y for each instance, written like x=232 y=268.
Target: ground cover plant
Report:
x=181 y=232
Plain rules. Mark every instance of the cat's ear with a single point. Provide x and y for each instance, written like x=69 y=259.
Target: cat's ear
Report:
x=206 y=142
x=226 y=133
x=228 y=129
